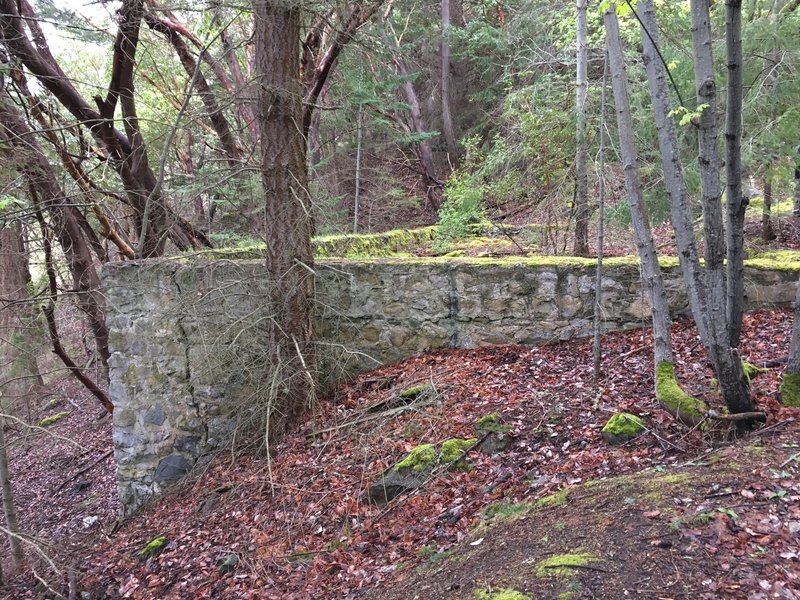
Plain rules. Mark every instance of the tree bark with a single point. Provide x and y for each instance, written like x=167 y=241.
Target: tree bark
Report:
x=447 y=118
x=581 y=245
x=736 y=202
x=680 y=209
x=9 y=508
x=19 y=331
x=21 y=150
x=790 y=382
x=767 y=231
x=601 y=216
x=287 y=212
x=725 y=359
x=668 y=392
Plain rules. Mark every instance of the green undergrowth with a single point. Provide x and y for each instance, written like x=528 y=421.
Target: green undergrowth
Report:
x=790 y=389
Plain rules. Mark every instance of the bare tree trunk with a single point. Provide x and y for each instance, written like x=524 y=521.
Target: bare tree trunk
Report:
x=736 y=202
x=447 y=118
x=767 y=231
x=680 y=209
x=9 y=509
x=790 y=383
x=19 y=332
x=796 y=203
x=601 y=216
x=359 y=126
x=581 y=246
x=669 y=394
x=423 y=147
x=287 y=212
x=725 y=359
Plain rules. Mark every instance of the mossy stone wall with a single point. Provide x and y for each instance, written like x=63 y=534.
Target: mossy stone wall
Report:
x=186 y=334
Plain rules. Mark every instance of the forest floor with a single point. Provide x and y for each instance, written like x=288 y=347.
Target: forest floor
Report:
x=677 y=513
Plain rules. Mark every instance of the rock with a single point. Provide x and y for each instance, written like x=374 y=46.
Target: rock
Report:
x=171 y=468
x=155 y=416
x=495 y=443
x=622 y=427
x=81 y=486
x=227 y=563
x=391 y=484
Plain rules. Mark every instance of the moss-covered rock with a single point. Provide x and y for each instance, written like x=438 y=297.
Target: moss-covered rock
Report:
x=563 y=565
x=790 y=389
x=416 y=392
x=490 y=424
x=501 y=594
x=453 y=450
x=47 y=421
x=622 y=427
x=153 y=546
x=674 y=400
x=420 y=459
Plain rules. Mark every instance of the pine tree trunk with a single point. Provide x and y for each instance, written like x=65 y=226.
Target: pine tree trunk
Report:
x=680 y=209
x=736 y=203
x=767 y=231
x=581 y=245
x=725 y=359
x=9 y=509
x=790 y=383
x=447 y=118
x=290 y=374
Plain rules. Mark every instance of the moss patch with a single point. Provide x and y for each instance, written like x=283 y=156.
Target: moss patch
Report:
x=790 y=389
x=416 y=391
x=557 y=499
x=505 y=511
x=490 y=424
x=419 y=459
x=47 y=421
x=622 y=427
x=563 y=565
x=678 y=403
x=153 y=546
x=751 y=371
x=777 y=260
x=502 y=594
x=454 y=449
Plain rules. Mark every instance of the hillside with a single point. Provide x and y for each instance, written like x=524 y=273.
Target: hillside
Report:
x=296 y=526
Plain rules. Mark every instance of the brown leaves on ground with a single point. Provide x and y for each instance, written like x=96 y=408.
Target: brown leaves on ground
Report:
x=299 y=528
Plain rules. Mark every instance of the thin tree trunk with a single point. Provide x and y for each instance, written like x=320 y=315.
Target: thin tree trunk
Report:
x=767 y=231
x=736 y=202
x=725 y=359
x=447 y=118
x=669 y=394
x=601 y=210
x=581 y=246
x=796 y=203
x=9 y=508
x=287 y=212
x=359 y=126
x=680 y=209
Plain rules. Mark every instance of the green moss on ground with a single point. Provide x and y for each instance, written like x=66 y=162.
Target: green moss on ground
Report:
x=501 y=594
x=751 y=371
x=490 y=424
x=776 y=260
x=563 y=565
x=557 y=499
x=454 y=449
x=153 y=546
x=419 y=459
x=416 y=391
x=505 y=511
x=678 y=403
x=790 y=389
x=622 y=427
x=47 y=421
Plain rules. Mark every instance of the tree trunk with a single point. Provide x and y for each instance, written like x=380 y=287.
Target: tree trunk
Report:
x=767 y=231
x=601 y=210
x=423 y=147
x=9 y=509
x=22 y=151
x=581 y=246
x=447 y=118
x=669 y=394
x=357 y=199
x=290 y=375
x=725 y=359
x=680 y=209
x=736 y=202
x=796 y=203
x=19 y=331
x=790 y=383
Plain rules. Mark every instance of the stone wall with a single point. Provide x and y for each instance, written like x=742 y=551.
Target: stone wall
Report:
x=186 y=334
